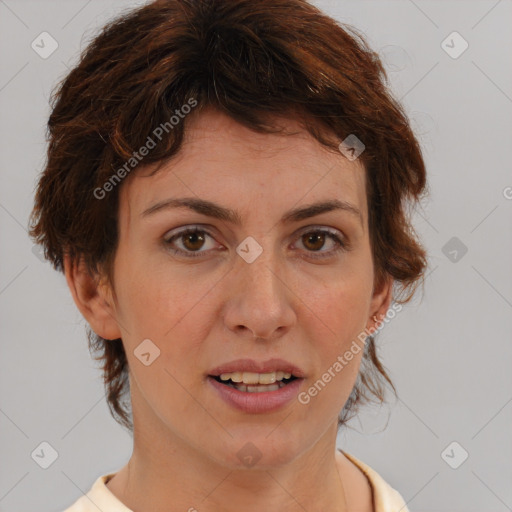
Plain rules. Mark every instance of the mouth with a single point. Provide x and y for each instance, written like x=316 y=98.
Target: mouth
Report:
x=249 y=382
x=257 y=387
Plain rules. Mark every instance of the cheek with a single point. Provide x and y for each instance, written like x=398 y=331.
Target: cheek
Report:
x=340 y=315
x=162 y=305
x=340 y=309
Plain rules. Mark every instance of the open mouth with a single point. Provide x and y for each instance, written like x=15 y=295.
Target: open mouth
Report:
x=256 y=388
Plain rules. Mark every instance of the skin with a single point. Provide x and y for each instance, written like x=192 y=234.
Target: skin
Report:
x=208 y=310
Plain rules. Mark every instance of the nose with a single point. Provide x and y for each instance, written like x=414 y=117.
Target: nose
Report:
x=259 y=300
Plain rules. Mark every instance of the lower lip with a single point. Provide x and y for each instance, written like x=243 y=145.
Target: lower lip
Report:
x=263 y=401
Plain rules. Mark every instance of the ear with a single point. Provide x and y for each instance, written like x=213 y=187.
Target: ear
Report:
x=93 y=297
x=381 y=300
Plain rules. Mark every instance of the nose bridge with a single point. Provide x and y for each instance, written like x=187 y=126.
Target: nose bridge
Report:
x=260 y=276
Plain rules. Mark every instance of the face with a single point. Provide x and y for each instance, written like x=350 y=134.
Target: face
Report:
x=243 y=274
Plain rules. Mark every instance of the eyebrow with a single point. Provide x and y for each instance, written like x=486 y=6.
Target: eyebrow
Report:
x=214 y=210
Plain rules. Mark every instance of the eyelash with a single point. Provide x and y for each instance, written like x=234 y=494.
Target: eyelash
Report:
x=341 y=245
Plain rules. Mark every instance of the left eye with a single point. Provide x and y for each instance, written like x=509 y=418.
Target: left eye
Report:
x=316 y=240
x=194 y=239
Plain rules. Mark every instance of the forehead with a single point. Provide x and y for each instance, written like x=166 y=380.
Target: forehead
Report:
x=223 y=161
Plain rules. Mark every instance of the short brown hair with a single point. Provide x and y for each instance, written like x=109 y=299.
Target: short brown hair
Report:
x=252 y=61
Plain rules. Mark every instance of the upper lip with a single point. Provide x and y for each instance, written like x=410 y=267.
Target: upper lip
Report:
x=250 y=365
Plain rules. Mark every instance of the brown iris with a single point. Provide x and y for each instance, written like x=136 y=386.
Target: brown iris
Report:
x=314 y=238
x=194 y=238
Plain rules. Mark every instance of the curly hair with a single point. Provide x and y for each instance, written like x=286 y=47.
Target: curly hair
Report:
x=252 y=61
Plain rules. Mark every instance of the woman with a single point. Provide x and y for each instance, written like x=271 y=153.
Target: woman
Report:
x=226 y=192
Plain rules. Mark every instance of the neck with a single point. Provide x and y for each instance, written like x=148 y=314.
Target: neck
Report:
x=173 y=476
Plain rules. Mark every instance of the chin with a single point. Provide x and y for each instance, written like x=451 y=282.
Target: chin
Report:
x=258 y=448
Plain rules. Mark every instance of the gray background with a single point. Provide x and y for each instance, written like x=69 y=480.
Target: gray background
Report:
x=449 y=352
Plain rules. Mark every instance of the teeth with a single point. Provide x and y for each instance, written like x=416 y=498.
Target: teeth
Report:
x=255 y=378
x=257 y=389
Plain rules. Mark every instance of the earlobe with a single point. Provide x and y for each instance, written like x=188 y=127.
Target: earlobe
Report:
x=381 y=300
x=92 y=298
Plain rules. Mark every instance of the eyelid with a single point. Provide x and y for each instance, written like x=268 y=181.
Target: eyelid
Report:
x=208 y=229
x=186 y=229
x=321 y=227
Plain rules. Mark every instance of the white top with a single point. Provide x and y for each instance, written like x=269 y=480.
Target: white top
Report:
x=385 y=498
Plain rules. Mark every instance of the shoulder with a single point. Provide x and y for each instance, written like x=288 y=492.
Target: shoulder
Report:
x=98 y=497
x=385 y=497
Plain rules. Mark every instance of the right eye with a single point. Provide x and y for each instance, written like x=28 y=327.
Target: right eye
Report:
x=191 y=241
